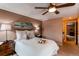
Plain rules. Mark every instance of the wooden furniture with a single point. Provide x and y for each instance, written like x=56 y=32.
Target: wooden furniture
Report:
x=6 y=48
x=39 y=36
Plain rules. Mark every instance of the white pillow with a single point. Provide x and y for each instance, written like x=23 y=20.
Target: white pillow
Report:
x=30 y=34
x=21 y=35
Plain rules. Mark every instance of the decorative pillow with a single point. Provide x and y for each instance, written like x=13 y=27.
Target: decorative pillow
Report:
x=21 y=35
x=30 y=34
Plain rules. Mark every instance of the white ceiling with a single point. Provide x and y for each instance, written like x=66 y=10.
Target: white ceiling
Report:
x=27 y=9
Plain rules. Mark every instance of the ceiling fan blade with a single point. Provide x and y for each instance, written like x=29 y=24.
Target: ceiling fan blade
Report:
x=57 y=12
x=51 y=5
x=41 y=7
x=65 y=5
x=45 y=13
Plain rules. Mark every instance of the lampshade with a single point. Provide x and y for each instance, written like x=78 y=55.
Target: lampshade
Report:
x=5 y=27
x=36 y=28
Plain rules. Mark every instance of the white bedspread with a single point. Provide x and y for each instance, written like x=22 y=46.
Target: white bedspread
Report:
x=33 y=48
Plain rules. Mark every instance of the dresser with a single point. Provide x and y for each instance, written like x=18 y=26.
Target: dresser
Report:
x=7 y=48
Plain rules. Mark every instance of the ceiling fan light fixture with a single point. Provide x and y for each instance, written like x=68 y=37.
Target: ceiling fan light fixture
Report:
x=53 y=9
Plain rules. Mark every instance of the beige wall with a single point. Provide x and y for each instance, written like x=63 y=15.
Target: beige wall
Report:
x=52 y=29
x=9 y=17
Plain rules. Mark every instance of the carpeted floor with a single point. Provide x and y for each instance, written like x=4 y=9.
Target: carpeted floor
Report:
x=68 y=50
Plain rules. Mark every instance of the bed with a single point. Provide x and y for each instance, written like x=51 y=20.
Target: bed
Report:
x=32 y=47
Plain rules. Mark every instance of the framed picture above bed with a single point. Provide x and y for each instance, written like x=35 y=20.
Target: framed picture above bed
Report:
x=23 y=26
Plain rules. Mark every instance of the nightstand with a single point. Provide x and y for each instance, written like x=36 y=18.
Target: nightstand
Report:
x=39 y=36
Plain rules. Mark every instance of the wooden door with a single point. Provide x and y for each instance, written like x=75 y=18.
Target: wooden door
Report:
x=70 y=30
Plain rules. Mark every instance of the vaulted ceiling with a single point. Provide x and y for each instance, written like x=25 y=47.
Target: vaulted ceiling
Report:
x=28 y=9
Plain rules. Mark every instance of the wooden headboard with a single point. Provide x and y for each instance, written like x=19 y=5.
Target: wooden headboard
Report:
x=23 y=26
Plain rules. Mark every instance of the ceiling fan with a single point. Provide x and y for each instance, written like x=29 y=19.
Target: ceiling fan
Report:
x=54 y=7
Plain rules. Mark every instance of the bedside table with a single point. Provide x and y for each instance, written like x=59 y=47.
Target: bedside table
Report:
x=39 y=36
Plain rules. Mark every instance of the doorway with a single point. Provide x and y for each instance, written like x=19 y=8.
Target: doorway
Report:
x=70 y=31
